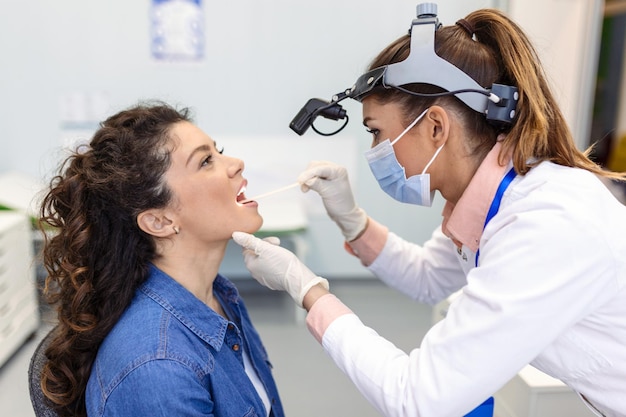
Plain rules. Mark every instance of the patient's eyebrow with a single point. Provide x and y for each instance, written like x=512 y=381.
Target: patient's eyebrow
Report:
x=201 y=148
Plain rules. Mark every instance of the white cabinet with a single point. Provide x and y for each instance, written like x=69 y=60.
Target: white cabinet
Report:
x=19 y=308
x=531 y=393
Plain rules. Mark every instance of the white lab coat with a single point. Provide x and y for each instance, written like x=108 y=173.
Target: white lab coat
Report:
x=549 y=290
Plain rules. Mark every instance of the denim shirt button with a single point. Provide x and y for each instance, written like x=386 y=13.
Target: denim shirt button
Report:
x=236 y=347
x=230 y=327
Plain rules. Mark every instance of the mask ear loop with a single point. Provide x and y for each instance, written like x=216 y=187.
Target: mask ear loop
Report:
x=409 y=127
x=433 y=158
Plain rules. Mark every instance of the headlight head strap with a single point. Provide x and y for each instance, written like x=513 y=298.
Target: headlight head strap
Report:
x=423 y=66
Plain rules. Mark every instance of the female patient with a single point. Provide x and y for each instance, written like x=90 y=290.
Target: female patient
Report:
x=146 y=324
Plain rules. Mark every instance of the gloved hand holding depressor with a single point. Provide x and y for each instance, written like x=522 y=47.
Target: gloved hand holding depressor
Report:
x=331 y=182
x=276 y=267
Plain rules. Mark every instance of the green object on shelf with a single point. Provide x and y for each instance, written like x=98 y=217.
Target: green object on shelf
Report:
x=33 y=220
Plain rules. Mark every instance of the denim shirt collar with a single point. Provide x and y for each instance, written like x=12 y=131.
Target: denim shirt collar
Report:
x=188 y=309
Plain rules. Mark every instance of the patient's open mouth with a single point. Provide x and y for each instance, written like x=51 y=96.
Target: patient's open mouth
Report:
x=241 y=195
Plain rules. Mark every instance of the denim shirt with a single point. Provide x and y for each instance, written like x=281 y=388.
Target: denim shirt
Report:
x=171 y=355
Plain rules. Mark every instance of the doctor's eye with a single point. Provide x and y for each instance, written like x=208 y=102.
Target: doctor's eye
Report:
x=373 y=132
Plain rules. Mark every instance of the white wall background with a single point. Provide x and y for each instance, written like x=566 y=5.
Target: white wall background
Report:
x=566 y=35
x=263 y=60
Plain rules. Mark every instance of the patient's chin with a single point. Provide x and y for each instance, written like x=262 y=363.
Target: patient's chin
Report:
x=252 y=227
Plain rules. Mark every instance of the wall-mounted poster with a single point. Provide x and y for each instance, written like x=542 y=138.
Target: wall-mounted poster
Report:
x=177 y=30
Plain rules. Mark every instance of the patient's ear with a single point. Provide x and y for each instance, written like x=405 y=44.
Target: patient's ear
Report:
x=155 y=222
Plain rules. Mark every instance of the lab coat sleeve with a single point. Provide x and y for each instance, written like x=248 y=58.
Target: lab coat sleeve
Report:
x=532 y=266
x=428 y=273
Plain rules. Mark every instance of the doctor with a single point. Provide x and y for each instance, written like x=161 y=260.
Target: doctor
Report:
x=531 y=238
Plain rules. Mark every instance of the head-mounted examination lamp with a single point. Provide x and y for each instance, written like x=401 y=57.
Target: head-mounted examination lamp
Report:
x=423 y=66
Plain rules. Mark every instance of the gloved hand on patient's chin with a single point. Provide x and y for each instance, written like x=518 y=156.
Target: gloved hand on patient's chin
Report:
x=331 y=182
x=275 y=267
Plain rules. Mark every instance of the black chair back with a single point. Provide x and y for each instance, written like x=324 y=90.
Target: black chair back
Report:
x=40 y=403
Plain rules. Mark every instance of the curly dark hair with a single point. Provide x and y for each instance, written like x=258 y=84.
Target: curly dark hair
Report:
x=95 y=254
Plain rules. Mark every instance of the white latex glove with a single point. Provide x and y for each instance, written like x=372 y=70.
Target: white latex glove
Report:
x=331 y=182
x=276 y=267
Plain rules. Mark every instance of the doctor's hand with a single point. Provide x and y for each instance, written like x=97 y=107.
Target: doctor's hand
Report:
x=277 y=268
x=331 y=182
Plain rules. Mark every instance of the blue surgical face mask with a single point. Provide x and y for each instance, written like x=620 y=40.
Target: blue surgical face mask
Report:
x=391 y=176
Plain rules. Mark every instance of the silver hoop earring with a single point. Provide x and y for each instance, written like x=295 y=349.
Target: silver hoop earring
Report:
x=176 y=229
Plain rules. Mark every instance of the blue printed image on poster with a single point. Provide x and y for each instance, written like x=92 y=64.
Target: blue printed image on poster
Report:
x=177 y=30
